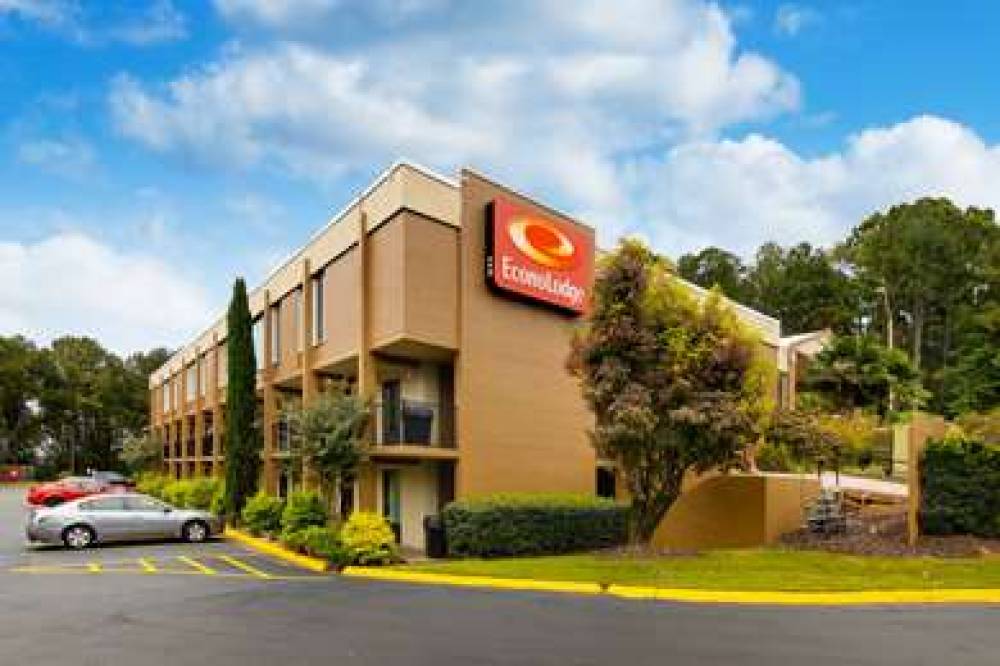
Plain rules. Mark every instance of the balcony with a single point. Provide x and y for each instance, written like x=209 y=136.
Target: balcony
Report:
x=189 y=447
x=414 y=423
x=207 y=445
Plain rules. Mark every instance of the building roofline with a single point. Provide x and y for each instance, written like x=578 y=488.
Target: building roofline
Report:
x=334 y=219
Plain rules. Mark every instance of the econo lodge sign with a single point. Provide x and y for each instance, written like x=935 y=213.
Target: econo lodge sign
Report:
x=538 y=257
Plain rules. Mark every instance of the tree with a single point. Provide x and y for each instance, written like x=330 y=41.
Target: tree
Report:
x=141 y=453
x=332 y=434
x=804 y=288
x=716 y=268
x=673 y=381
x=924 y=259
x=243 y=444
x=858 y=372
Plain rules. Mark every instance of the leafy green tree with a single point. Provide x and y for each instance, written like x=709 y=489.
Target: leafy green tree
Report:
x=716 y=268
x=673 y=381
x=20 y=386
x=142 y=452
x=331 y=433
x=243 y=444
x=858 y=372
x=923 y=259
x=804 y=287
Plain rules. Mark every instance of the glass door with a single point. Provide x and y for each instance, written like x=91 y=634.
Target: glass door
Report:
x=392 y=501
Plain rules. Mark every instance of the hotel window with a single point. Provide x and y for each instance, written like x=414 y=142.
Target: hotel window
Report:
x=203 y=368
x=192 y=381
x=275 y=333
x=258 y=342
x=297 y=317
x=165 y=390
x=318 y=307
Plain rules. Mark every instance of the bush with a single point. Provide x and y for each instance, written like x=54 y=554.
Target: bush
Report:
x=151 y=483
x=324 y=542
x=175 y=492
x=293 y=540
x=200 y=492
x=262 y=514
x=302 y=510
x=960 y=487
x=367 y=539
x=533 y=524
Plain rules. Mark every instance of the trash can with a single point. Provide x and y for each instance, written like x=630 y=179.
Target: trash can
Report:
x=436 y=545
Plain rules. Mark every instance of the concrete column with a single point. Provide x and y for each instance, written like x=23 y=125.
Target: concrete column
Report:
x=183 y=398
x=270 y=413
x=367 y=375
x=199 y=415
x=305 y=328
x=213 y=398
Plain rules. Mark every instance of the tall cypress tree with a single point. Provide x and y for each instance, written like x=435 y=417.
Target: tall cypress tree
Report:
x=243 y=445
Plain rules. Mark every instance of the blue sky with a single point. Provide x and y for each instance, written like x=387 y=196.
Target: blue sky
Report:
x=155 y=149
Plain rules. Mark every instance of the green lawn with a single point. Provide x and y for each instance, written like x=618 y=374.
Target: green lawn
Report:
x=740 y=570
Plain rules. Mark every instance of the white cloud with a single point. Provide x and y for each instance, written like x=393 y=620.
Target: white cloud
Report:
x=129 y=23
x=551 y=92
x=161 y=22
x=70 y=283
x=740 y=193
x=71 y=157
x=790 y=19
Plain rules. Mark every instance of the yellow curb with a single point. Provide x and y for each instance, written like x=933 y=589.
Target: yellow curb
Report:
x=861 y=597
x=276 y=550
x=473 y=581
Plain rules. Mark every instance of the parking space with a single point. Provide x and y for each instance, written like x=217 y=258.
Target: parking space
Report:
x=217 y=559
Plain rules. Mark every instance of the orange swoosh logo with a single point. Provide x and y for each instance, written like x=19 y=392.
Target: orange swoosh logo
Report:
x=542 y=243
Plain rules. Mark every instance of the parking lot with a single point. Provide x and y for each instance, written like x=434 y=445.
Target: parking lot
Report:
x=217 y=559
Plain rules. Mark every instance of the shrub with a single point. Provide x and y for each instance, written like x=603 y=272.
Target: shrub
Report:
x=367 y=539
x=200 y=492
x=302 y=510
x=262 y=514
x=529 y=524
x=151 y=483
x=960 y=487
x=293 y=540
x=175 y=492
x=324 y=542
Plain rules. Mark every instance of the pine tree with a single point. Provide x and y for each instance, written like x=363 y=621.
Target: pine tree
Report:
x=243 y=444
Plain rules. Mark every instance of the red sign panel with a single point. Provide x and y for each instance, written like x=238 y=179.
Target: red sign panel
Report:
x=539 y=258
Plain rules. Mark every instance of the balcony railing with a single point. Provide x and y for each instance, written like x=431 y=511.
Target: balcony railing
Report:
x=415 y=422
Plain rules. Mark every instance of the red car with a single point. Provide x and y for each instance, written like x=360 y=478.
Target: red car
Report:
x=64 y=490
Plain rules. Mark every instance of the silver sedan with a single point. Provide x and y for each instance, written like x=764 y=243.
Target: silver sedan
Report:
x=120 y=517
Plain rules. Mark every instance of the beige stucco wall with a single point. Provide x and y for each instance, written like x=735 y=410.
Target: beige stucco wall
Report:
x=735 y=511
x=522 y=422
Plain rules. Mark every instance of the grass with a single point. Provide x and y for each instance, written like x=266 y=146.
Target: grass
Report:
x=764 y=569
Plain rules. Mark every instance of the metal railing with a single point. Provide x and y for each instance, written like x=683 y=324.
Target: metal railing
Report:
x=414 y=422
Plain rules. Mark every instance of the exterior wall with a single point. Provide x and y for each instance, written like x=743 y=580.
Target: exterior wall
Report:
x=735 y=511
x=431 y=284
x=522 y=424
x=342 y=296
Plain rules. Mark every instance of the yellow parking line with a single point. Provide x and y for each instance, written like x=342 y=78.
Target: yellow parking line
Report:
x=94 y=567
x=240 y=564
x=195 y=564
x=147 y=565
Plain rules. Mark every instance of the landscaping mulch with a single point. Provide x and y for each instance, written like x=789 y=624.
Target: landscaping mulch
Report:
x=885 y=534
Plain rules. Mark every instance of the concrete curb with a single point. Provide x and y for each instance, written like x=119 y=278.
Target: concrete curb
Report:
x=277 y=550
x=758 y=597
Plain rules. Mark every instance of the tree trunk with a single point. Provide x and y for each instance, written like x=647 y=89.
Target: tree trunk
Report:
x=648 y=513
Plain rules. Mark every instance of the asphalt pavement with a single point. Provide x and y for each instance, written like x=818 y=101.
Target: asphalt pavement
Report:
x=56 y=608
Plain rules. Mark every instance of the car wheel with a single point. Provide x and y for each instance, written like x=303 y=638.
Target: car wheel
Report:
x=78 y=537
x=195 y=531
x=52 y=502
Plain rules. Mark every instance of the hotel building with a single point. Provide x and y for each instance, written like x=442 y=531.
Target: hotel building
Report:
x=450 y=305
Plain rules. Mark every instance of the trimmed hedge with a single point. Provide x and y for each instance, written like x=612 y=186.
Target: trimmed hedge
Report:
x=960 y=488
x=533 y=524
